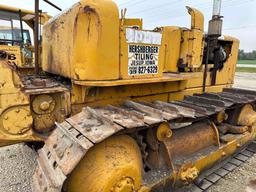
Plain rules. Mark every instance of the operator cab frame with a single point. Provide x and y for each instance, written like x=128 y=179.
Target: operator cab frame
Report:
x=16 y=32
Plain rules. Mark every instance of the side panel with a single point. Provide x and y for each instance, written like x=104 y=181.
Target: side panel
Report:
x=14 y=54
x=170 y=50
x=15 y=114
x=83 y=42
x=192 y=47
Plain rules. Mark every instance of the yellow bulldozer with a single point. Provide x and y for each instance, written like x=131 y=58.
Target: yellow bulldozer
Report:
x=124 y=109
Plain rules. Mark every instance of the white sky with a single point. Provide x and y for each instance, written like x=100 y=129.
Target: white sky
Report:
x=239 y=15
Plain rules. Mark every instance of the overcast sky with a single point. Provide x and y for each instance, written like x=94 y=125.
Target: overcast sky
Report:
x=239 y=15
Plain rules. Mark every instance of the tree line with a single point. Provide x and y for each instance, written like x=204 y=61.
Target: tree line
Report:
x=242 y=55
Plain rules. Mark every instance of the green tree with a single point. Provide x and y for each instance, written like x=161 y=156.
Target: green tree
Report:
x=242 y=55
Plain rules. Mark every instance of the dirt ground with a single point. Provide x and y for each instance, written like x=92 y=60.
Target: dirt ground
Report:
x=17 y=162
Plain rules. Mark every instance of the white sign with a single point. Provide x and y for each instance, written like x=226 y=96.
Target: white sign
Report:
x=142 y=59
x=143 y=51
x=144 y=37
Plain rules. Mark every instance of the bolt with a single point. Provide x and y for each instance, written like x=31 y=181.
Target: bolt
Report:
x=44 y=106
x=223 y=154
x=88 y=129
x=17 y=110
x=238 y=145
x=6 y=117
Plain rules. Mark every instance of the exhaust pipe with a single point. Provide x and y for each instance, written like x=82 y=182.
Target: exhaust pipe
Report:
x=216 y=8
x=215 y=24
x=214 y=53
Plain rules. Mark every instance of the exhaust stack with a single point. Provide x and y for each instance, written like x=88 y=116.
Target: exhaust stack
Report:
x=214 y=53
x=216 y=8
x=215 y=24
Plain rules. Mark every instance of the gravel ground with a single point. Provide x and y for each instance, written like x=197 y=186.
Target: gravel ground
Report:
x=245 y=80
x=242 y=179
x=16 y=168
x=18 y=162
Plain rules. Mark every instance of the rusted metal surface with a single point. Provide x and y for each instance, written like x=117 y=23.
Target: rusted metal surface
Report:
x=163 y=114
x=151 y=115
x=35 y=82
x=66 y=152
x=177 y=109
x=34 y=85
x=216 y=96
x=241 y=92
x=185 y=137
x=62 y=152
x=235 y=97
x=198 y=110
x=122 y=117
x=71 y=140
x=49 y=176
x=93 y=125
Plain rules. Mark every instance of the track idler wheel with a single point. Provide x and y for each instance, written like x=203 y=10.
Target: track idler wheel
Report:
x=114 y=165
x=247 y=116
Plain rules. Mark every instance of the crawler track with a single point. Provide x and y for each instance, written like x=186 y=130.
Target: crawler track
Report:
x=71 y=139
x=216 y=173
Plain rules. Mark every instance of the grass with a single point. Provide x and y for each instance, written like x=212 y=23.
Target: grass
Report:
x=246 y=62
x=246 y=69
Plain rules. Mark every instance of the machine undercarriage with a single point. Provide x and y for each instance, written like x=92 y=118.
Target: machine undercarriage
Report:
x=177 y=141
